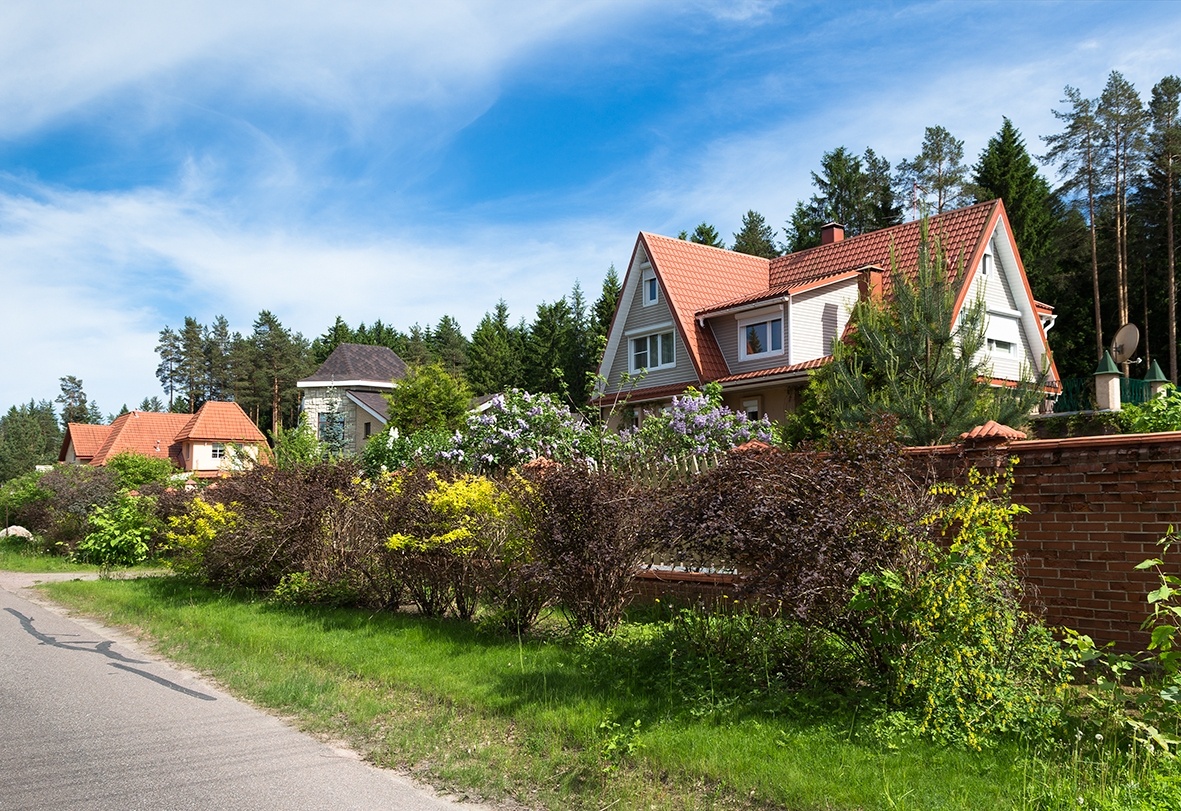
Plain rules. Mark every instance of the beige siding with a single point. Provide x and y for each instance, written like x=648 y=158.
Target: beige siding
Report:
x=818 y=318
x=642 y=318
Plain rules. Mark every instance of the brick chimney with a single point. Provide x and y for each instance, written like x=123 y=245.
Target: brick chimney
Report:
x=831 y=232
x=869 y=283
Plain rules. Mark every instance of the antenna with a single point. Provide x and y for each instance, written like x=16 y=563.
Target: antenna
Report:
x=1124 y=344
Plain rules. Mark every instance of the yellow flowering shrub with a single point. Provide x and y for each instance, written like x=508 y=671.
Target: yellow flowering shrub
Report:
x=969 y=661
x=193 y=530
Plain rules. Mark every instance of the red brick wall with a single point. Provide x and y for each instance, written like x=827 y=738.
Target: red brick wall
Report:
x=1097 y=507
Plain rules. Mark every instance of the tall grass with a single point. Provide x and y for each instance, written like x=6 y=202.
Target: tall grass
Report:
x=541 y=721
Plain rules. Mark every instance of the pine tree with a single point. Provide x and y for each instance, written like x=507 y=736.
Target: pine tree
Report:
x=72 y=399
x=1123 y=123
x=1165 y=153
x=193 y=369
x=276 y=358
x=219 y=344
x=168 y=371
x=756 y=237
x=937 y=171
x=1076 y=151
x=912 y=359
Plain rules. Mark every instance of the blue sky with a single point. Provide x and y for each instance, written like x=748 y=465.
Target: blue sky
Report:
x=405 y=160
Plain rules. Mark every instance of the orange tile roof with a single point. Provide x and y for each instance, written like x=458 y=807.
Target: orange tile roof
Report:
x=992 y=431
x=87 y=439
x=143 y=432
x=695 y=277
x=220 y=422
x=961 y=233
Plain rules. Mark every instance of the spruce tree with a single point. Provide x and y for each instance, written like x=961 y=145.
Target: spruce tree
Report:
x=756 y=237
x=706 y=234
x=1006 y=171
x=494 y=360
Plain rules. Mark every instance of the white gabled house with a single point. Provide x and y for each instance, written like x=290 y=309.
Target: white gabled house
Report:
x=691 y=314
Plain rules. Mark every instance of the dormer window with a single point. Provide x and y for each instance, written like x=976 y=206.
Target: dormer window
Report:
x=761 y=336
x=651 y=290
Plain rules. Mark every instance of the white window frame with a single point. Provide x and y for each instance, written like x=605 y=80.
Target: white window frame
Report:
x=1003 y=335
x=659 y=340
x=753 y=407
x=217 y=450
x=766 y=316
x=649 y=288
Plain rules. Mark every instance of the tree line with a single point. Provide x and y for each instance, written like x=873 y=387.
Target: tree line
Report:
x=1100 y=245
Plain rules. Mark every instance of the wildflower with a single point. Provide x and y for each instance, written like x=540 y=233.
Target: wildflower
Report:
x=1098 y=737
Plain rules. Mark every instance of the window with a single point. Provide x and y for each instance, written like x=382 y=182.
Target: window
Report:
x=218 y=451
x=753 y=408
x=762 y=337
x=999 y=347
x=653 y=351
x=651 y=288
x=368 y=429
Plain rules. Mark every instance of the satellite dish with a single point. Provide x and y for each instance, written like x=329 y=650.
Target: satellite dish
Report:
x=1124 y=344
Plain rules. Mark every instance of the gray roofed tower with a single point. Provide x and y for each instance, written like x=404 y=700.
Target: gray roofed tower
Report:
x=355 y=363
x=351 y=384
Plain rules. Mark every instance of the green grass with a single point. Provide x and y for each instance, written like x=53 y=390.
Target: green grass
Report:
x=17 y=555
x=489 y=717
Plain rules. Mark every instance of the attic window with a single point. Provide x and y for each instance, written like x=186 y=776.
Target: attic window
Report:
x=760 y=337
x=651 y=288
x=985 y=264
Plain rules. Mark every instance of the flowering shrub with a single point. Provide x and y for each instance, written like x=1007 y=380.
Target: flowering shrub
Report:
x=392 y=450
x=966 y=657
x=697 y=423
x=516 y=428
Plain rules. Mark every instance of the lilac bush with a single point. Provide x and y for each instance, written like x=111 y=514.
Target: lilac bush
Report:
x=515 y=428
x=697 y=423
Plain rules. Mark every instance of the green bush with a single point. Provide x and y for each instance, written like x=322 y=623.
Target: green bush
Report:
x=119 y=532
x=136 y=471
x=960 y=651
x=1161 y=413
x=18 y=495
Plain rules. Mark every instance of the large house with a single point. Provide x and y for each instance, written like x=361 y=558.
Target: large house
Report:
x=350 y=388
x=691 y=314
x=212 y=442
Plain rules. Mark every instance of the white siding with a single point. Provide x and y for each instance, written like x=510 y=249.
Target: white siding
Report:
x=818 y=318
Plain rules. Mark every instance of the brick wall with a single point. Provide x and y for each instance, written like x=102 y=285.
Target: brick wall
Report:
x=1097 y=507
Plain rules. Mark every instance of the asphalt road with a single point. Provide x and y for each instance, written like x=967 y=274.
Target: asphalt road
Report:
x=89 y=721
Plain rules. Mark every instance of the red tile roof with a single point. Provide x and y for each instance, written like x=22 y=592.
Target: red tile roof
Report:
x=960 y=233
x=803 y=366
x=143 y=432
x=991 y=431
x=87 y=439
x=220 y=422
x=698 y=276
x=699 y=280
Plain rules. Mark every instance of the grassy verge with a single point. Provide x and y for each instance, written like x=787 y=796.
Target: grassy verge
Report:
x=541 y=723
x=16 y=555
